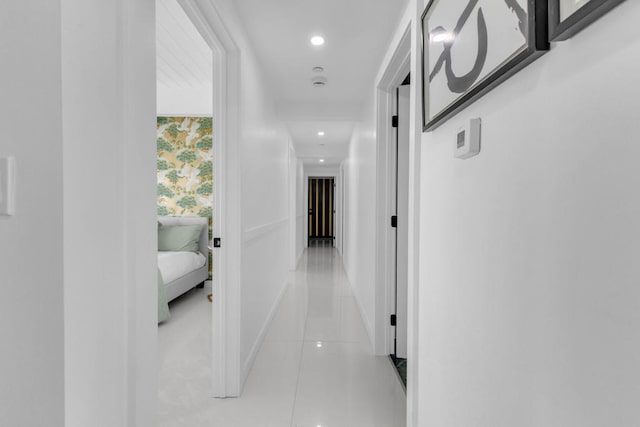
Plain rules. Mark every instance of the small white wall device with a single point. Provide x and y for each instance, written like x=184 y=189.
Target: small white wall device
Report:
x=468 y=139
x=7 y=184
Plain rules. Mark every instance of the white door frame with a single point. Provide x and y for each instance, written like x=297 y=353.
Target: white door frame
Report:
x=405 y=59
x=225 y=344
x=337 y=193
x=401 y=242
x=397 y=70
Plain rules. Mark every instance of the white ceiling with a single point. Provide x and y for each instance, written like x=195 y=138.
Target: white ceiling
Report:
x=184 y=60
x=357 y=34
x=310 y=147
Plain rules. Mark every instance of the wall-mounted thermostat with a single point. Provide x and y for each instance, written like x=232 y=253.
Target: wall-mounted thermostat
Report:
x=468 y=139
x=7 y=185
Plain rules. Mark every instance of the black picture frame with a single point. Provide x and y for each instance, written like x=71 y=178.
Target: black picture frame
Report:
x=536 y=44
x=563 y=29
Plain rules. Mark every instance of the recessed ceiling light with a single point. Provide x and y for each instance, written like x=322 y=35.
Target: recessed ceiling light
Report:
x=317 y=69
x=319 y=81
x=321 y=160
x=321 y=133
x=319 y=344
x=317 y=40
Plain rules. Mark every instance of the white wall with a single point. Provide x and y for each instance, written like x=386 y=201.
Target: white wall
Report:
x=319 y=171
x=529 y=296
x=77 y=260
x=190 y=102
x=360 y=214
x=264 y=160
x=302 y=210
x=110 y=265
x=361 y=178
x=31 y=270
x=297 y=209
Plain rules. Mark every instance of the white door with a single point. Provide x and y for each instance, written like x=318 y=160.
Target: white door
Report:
x=402 y=213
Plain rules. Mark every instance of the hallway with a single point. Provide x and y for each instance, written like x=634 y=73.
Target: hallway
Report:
x=315 y=366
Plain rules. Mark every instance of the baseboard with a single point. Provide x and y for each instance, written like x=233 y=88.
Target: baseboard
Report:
x=367 y=326
x=246 y=366
x=298 y=259
x=356 y=298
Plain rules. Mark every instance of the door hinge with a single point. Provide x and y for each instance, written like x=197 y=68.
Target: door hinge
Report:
x=394 y=221
x=394 y=121
x=393 y=320
x=217 y=242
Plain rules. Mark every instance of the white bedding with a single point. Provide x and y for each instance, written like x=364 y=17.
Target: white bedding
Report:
x=174 y=265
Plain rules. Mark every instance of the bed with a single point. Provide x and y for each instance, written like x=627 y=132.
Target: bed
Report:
x=180 y=271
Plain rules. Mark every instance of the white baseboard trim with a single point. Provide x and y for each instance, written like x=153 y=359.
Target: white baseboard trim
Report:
x=367 y=326
x=299 y=257
x=356 y=298
x=251 y=358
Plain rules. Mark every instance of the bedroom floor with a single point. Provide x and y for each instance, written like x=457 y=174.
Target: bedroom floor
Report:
x=314 y=369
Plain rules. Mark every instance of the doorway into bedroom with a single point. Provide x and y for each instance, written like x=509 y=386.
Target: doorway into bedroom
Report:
x=187 y=218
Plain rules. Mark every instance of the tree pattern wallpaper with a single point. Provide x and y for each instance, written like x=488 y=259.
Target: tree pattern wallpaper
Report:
x=185 y=167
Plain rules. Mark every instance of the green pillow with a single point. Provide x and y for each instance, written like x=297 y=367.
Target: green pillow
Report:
x=179 y=238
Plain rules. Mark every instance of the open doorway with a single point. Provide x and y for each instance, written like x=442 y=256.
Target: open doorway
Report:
x=400 y=222
x=186 y=150
x=218 y=356
x=223 y=375
x=321 y=208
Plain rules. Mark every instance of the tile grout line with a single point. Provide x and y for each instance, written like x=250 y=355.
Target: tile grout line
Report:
x=295 y=393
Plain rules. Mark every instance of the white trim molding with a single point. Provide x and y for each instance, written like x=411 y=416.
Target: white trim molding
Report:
x=395 y=73
x=415 y=138
x=405 y=59
x=260 y=231
x=226 y=378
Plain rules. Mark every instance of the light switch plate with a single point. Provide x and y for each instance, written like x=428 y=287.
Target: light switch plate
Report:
x=7 y=185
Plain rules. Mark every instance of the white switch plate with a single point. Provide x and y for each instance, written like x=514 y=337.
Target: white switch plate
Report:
x=7 y=185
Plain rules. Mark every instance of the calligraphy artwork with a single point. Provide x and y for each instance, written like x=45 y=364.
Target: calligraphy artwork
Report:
x=568 y=17
x=469 y=46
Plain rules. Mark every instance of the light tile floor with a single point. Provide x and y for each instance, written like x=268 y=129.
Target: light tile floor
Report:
x=315 y=367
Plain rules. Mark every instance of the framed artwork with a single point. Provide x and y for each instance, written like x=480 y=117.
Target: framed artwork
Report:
x=471 y=46
x=568 y=17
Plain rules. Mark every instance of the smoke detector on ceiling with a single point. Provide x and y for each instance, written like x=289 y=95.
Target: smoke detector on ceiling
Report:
x=319 y=81
x=317 y=69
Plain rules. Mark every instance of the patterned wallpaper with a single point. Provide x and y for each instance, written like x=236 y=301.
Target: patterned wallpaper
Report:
x=185 y=155
x=185 y=167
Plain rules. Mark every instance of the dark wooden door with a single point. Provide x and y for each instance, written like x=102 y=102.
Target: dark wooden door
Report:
x=321 y=208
